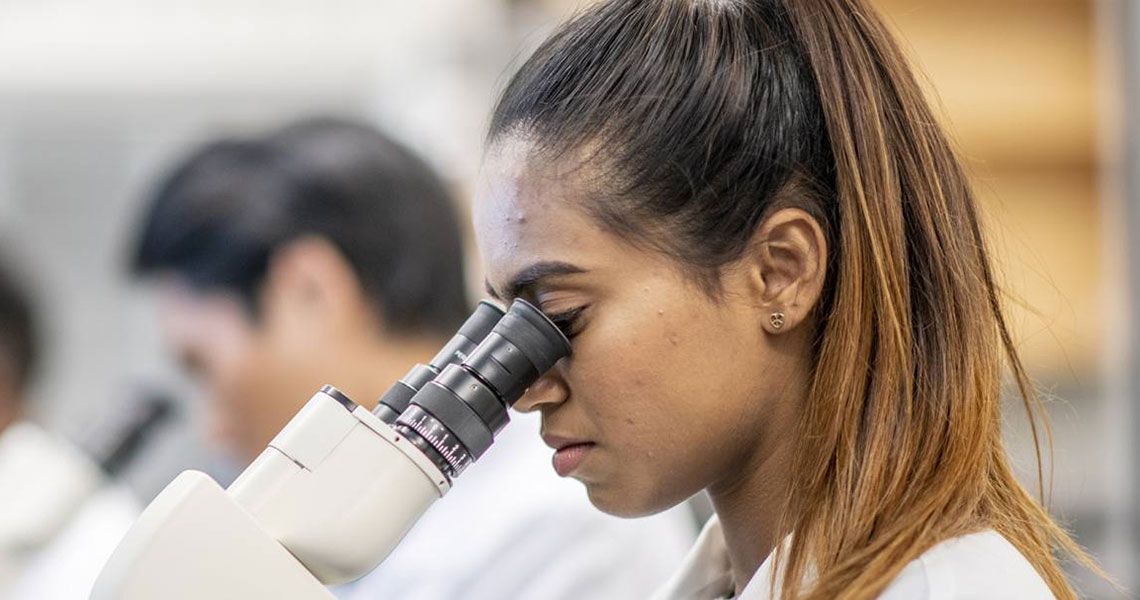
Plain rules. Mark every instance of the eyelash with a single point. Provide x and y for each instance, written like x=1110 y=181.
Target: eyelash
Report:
x=566 y=321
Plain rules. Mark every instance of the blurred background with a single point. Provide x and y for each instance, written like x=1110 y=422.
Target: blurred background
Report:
x=97 y=96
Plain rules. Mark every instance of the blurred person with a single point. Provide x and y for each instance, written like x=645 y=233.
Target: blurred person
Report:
x=772 y=270
x=60 y=518
x=328 y=253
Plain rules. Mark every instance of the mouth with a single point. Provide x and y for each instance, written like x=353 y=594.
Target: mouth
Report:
x=568 y=453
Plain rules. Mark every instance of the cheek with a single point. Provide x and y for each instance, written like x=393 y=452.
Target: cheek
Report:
x=616 y=380
x=234 y=380
x=675 y=364
x=672 y=394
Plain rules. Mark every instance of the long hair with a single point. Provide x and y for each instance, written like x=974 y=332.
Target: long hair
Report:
x=702 y=115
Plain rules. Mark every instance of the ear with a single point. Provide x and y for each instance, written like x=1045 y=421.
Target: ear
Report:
x=788 y=256
x=311 y=284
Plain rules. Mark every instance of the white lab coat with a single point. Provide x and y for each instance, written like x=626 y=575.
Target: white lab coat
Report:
x=979 y=566
x=59 y=519
x=511 y=528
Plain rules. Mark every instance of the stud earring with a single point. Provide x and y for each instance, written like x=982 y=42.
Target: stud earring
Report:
x=776 y=320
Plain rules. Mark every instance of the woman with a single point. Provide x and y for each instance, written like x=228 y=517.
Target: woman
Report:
x=771 y=267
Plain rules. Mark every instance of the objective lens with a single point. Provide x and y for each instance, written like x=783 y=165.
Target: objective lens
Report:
x=454 y=418
x=473 y=331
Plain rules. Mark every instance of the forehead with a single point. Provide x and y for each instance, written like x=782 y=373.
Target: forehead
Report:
x=527 y=212
x=192 y=318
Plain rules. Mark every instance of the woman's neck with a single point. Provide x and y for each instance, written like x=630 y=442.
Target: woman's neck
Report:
x=751 y=501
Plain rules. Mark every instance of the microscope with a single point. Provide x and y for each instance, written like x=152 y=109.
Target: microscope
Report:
x=48 y=482
x=339 y=487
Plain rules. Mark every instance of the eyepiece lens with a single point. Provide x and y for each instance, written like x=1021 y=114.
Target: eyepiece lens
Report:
x=454 y=418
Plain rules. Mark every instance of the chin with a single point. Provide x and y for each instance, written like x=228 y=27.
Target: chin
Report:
x=621 y=501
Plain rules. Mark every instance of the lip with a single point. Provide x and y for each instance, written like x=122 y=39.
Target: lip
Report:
x=558 y=442
x=568 y=453
x=568 y=459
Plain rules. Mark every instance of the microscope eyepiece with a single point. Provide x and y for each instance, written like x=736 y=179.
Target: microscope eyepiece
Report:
x=523 y=346
x=474 y=330
x=455 y=417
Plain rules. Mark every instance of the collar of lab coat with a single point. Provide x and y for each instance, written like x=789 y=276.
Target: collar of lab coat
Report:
x=706 y=573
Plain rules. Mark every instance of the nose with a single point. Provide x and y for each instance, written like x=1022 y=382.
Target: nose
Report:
x=548 y=391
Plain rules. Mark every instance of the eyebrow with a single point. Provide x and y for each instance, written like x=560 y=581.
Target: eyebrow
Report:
x=529 y=278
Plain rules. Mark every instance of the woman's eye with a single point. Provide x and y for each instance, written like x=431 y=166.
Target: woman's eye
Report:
x=567 y=321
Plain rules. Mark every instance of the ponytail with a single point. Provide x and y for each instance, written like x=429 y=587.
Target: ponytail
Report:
x=916 y=302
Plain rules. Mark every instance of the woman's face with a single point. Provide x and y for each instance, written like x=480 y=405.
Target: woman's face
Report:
x=670 y=390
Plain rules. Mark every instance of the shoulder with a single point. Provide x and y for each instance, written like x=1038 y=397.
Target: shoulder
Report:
x=971 y=567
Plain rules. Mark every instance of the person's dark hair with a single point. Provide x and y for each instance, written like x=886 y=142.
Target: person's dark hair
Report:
x=694 y=120
x=19 y=350
x=220 y=214
x=698 y=114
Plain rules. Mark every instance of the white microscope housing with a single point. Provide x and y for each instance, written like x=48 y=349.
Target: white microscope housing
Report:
x=339 y=486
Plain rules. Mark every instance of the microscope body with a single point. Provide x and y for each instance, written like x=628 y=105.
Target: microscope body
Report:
x=340 y=485
x=324 y=504
x=45 y=484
